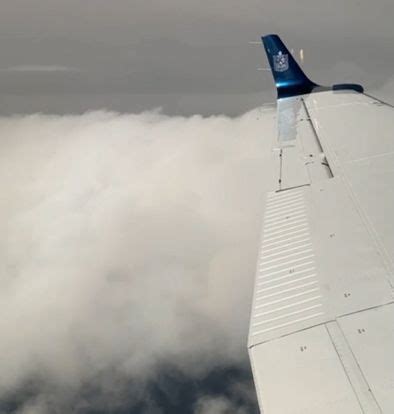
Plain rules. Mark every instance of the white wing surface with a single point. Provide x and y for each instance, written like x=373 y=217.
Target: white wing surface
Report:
x=322 y=325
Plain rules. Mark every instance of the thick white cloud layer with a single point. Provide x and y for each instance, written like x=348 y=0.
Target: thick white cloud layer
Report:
x=127 y=242
x=217 y=405
x=237 y=402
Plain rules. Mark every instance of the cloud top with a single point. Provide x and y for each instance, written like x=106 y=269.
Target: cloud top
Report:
x=128 y=242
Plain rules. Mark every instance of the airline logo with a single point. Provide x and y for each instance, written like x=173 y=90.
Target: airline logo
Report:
x=281 y=62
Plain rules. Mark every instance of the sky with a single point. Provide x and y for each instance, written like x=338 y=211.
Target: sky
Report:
x=136 y=139
x=188 y=57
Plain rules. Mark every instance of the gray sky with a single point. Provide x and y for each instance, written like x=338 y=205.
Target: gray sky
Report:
x=188 y=57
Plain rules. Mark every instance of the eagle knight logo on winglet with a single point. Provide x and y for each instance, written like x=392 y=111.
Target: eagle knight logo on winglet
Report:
x=281 y=62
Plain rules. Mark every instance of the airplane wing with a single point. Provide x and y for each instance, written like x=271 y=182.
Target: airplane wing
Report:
x=322 y=325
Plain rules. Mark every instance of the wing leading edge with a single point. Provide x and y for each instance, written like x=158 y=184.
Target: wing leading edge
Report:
x=321 y=327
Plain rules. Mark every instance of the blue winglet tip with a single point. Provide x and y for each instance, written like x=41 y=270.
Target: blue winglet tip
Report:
x=289 y=78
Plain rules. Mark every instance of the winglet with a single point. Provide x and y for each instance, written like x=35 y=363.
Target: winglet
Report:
x=289 y=78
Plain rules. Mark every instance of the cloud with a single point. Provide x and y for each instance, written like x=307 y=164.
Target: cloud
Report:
x=239 y=398
x=41 y=68
x=127 y=244
x=217 y=405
